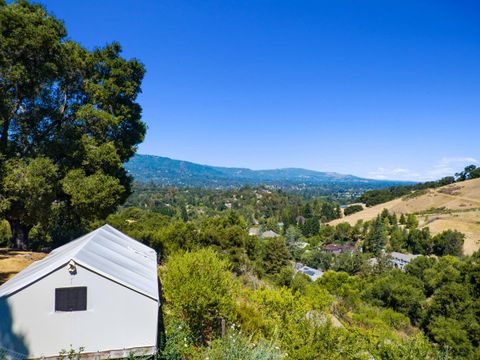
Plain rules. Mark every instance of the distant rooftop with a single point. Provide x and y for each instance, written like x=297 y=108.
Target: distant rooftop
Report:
x=312 y=273
x=269 y=234
x=404 y=257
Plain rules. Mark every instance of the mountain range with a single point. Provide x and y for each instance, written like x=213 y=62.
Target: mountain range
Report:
x=169 y=172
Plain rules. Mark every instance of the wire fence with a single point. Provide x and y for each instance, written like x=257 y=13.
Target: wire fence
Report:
x=6 y=354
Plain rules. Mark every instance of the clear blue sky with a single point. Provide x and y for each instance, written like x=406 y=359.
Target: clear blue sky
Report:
x=381 y=89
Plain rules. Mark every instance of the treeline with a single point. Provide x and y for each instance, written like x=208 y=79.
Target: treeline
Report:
x=375 y=197
x=258 y=205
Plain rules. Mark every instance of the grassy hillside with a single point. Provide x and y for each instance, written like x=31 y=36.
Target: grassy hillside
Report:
x=12 y=262
x=455 y=206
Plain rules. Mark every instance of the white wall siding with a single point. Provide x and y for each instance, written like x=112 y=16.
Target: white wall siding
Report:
x=117 y=317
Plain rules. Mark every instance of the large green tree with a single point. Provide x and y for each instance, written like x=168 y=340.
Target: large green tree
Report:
x=68 y=121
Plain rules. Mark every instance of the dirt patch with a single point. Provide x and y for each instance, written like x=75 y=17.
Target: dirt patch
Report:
x=451 y=190
x=12 y=262
x=466 y=222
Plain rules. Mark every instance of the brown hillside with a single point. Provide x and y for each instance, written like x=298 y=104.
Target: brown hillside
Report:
x=455 y=206
x=12 y=262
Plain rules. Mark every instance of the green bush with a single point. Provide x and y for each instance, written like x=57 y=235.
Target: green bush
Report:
x=352 y=209
x=200 y=289
x=236 y=346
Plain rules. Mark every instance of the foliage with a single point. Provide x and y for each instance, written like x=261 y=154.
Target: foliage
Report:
x=237 y=346
x=276 y=255
x=5 y=233
x=348 y=262
x=179 y=340
x=377 y=236
x=68 y=121
x=199 y=288
x=352 y=209
x=398 y=291
x=470 y=172
x=448 y=242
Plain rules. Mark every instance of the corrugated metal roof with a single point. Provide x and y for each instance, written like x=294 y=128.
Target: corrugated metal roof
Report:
x=105 y=251
x=404 y=257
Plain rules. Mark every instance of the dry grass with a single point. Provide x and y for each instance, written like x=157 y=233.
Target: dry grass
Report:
x=12 y=262
x=466 y=222
x=460 y=203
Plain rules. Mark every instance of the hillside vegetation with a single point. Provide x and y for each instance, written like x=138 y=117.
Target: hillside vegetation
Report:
x=455 y=206
x=247 y=272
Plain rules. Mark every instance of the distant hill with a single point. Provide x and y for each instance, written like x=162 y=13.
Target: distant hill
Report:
x=455 y=206
x=165 y=171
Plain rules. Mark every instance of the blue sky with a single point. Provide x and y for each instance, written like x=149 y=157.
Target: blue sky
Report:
x=380 y=89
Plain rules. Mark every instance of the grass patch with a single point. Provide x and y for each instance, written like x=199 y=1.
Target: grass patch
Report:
x=415 y=194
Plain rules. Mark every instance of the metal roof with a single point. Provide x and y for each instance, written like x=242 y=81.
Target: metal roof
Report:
x=404 y=257
x=312 y=273
x=105 y=251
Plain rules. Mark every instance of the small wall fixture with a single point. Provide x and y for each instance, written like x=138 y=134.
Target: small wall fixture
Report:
x=72 y=267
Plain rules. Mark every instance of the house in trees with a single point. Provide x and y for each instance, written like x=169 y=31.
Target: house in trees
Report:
x=312 y=273
x=268 y=234
x=99 y=293
x=254 y=231
x=400 y=260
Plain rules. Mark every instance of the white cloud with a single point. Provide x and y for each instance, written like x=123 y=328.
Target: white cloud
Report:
x=446 y=166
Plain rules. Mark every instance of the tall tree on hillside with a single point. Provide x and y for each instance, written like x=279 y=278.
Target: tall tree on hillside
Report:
x=470 y=172
x=68 y=121
x=377 y=236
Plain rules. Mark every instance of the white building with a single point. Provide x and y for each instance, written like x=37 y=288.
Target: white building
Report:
x=99 y=292
x=400 y=260
x=254 y=231
x=268 y=234
x=312 y=273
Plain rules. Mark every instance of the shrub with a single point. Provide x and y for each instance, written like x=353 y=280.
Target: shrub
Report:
x=236 y=346
x=352 y=209
x=200 y=289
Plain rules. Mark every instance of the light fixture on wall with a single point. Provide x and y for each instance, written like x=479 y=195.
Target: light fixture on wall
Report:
x=72 y=267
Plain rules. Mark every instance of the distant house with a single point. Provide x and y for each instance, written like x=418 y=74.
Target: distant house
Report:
x=254 y=231
x=99 y=292
x=301 y=244
x=338 y=248
x=395 y=259
x=400 y=260
x=312 y=273
x=268 y=234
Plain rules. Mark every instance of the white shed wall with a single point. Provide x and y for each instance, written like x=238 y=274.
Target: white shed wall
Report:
x=116 y=317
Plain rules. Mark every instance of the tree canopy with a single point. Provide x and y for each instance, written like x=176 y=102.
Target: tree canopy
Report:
x=68 y=121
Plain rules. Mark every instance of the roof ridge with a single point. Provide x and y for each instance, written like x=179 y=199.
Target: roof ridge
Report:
x=88 y=237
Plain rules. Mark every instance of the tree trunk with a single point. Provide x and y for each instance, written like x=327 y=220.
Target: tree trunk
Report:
x=19 y=235
x=5 y=124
